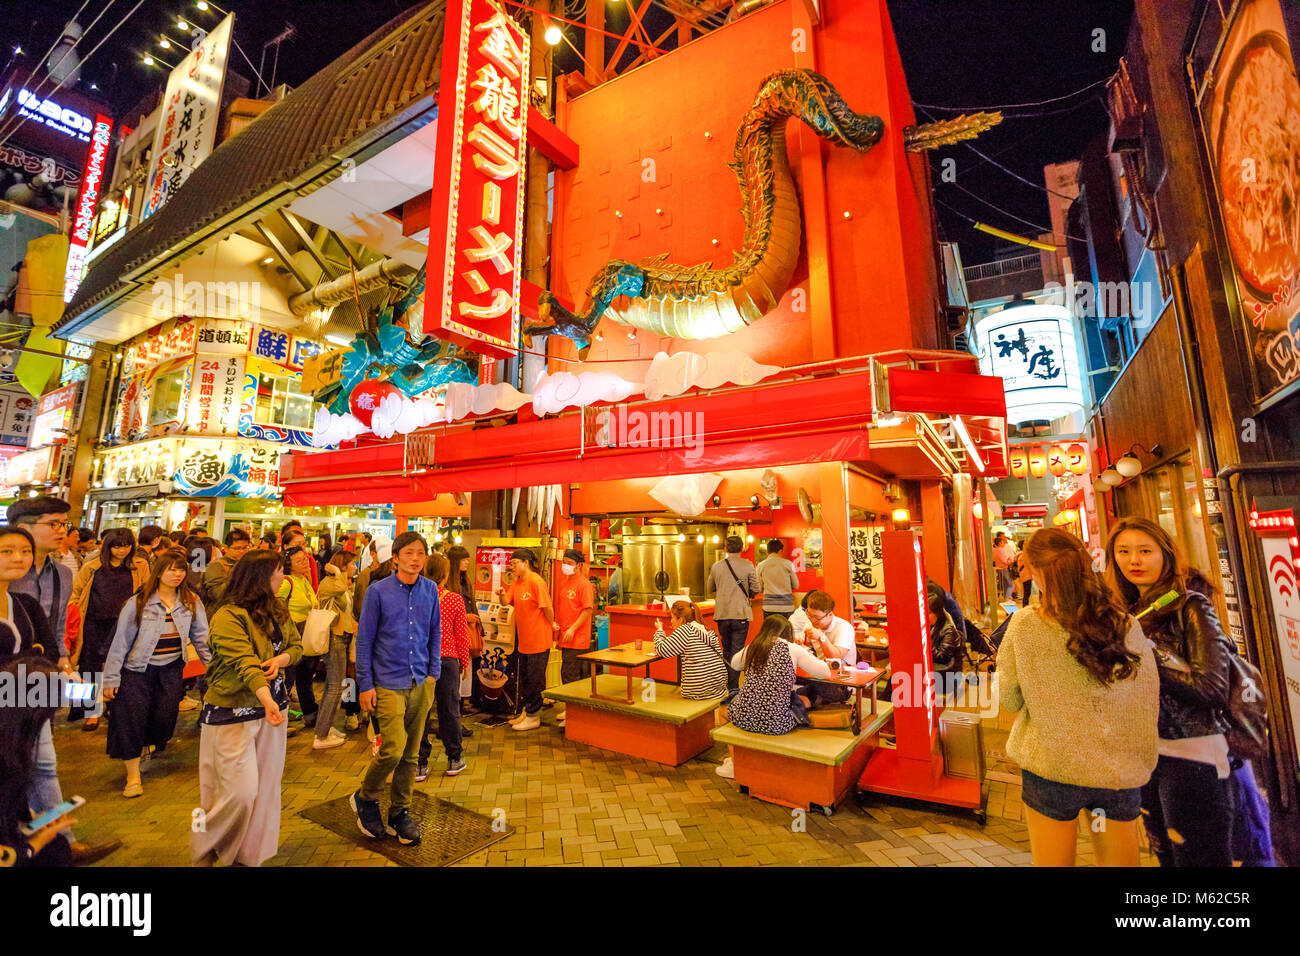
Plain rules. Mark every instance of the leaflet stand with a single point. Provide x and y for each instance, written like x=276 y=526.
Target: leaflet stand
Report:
x=914 y=768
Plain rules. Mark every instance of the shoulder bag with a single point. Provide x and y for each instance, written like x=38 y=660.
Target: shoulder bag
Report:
x=316 y=629
x=743 y=589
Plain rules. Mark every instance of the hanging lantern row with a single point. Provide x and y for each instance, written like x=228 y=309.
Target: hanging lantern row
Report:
x=1036 y=461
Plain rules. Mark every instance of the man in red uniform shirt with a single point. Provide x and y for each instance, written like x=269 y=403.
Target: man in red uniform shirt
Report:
x=534 y=634
x=575 y=601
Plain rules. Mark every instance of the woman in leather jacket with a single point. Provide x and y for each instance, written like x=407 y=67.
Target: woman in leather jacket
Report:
x=1187 y=806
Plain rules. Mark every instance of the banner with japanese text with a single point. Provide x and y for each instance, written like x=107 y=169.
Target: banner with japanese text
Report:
x=476 y=217
x=188 y=118
x=216 y=394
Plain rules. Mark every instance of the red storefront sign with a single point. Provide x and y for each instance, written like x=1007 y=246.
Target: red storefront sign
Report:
x=477 y=212
x=92 y=178
x=1039 y=460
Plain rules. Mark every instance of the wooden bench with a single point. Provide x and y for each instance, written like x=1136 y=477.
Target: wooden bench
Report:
x=805 y=768
x=668 y=729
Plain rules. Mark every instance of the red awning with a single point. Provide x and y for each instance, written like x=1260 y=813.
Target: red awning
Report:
x=817 y=417
x=1024 y=511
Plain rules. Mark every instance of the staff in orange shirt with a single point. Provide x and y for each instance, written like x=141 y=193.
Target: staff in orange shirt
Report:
x=575 y=601
x=534 y=633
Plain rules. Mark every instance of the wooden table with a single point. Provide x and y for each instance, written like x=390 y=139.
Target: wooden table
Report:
x=857 y=679
x=874 y=641
x=623 y=655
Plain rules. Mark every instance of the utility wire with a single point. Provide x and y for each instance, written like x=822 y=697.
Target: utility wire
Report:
x=88 y=56
x=36 y=88
x=1010 y=106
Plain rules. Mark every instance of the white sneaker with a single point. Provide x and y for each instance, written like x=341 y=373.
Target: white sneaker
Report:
x=522 y=715
x=337 y=734
x=329 y=742
x=528 y=723
x=726 y=769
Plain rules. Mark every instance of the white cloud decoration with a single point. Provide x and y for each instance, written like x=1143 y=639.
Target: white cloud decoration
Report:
x=464 y=399
x=398 y=414
x=686 y=494
x=554 y=393
x=675 y=374
x=330 y=429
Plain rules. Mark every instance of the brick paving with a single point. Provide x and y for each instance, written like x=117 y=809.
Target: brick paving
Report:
x=573 y=805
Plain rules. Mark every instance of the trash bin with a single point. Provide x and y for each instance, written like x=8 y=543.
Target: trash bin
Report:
x=962 y=737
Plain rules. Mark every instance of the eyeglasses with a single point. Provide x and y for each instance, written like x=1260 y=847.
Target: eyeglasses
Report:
x=55 y=525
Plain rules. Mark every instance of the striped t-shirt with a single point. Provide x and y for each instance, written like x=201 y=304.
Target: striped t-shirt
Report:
x=704 y=672
x=168 y=648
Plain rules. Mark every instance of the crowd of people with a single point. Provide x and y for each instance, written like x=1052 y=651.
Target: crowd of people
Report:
x=263 y=620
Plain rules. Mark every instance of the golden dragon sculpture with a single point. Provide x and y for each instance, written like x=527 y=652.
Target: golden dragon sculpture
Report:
x=700 y=302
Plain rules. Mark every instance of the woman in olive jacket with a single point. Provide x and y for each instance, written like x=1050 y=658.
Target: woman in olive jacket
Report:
x=243 y=729
x=1188 y=804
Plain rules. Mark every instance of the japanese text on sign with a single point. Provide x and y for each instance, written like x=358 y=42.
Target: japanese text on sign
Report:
x=480 y=181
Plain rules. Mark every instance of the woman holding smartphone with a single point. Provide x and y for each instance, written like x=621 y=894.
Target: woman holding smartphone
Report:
x=24 y=627
x=143 y=673
x=242 y=725
x=1188 y=803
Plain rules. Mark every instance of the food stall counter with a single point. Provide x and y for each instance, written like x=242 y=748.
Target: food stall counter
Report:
x=627 y=622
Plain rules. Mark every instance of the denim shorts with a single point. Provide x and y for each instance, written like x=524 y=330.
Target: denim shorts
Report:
x=1063 y=801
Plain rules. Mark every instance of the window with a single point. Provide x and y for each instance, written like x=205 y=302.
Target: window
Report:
x=281 y=402
x=167 y=391
x=1169 y=496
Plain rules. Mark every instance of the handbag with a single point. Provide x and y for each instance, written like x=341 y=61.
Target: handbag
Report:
x=1247 y=711
x=316 y=632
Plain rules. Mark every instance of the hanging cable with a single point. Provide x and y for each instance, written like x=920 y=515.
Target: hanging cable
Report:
x=1004 y=212
x=118 y=26
x=1010 y=106
x=16 y=120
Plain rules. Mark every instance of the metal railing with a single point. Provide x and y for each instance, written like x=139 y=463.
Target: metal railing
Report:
x=1002 y=267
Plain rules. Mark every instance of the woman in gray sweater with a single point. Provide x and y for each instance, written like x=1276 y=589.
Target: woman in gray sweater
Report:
x=1082 y=679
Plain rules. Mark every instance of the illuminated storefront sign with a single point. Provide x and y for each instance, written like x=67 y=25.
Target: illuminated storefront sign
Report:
x=187 y=127
x=92 y=179
x=1057 y=460
x=1034 y=350
x=195 y=468
x=53 y=423
x=475 y=254
x=215 y=395
x=30 y=467
x=15 y=418
x=66 y=121
x=110 y=225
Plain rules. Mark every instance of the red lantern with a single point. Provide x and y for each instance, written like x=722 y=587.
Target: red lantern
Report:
x=1037 y=461
x=1019 y=462
x=366 y=396
x=1056 y=462
x=1076 y=457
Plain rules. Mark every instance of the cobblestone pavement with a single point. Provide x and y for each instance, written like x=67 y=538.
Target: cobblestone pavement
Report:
x=572 y=804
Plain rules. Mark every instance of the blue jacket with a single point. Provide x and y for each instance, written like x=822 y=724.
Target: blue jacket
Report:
x=399 y=637
x=52 y=588
x=135 y=641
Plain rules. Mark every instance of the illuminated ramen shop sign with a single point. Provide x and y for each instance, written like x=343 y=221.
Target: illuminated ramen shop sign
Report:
x=475 y=253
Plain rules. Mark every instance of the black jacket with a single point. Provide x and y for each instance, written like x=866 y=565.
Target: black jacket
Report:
x=946 y=643
x=1191 y=702
x=33 y=627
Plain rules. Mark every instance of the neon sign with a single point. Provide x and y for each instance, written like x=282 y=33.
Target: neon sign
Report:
x=66 y=121
x=475 y=257
x=92 y=178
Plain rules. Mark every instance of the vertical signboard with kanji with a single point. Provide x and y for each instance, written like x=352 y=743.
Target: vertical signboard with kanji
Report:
x=188 y=118
x=867 y=561
x=84 y=214
x=216 y=394
x=475 y=252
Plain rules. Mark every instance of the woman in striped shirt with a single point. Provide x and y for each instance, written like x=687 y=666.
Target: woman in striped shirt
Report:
x=704 y=670
x=143 y=673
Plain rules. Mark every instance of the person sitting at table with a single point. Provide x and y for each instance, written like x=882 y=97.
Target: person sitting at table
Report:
x=831 y=638
x=767 y=702
x=704 y=669
x=946 y=641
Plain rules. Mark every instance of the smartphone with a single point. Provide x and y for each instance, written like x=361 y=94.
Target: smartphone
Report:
x=79 y=691
x=49 y=816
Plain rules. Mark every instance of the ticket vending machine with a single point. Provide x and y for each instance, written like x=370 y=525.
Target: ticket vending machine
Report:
x=498 y=621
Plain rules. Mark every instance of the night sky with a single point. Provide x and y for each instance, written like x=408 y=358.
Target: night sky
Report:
x=956 y=53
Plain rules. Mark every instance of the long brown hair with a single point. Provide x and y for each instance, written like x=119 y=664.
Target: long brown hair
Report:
x=436 y=568
x=250 y=589
x=164 y=562
x=1077 y=598
x=760 y=649
x=1173 y=576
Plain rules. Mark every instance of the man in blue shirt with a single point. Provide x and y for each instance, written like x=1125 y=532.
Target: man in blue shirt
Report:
x=399 y=658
